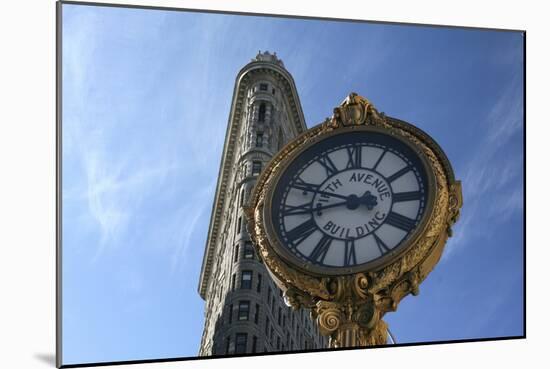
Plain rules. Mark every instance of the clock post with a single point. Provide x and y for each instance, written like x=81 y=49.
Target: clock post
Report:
x=351 y=216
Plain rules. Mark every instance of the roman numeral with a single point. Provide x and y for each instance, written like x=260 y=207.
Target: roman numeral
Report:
x=400 y=221
x=354 y=157
x=379 y=159
x=406 y=196
x=327 y=164
x=349 y=253
x=320 y=251
x=381 y=245
x=398 y=174
x=299 y=184
x=301 y=232
x=297 y=210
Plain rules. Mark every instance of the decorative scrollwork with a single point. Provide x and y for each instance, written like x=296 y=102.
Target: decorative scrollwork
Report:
x=328 y=317
x=355 y=110
x=376 y=336
x=297 y=299
x=366 y=316
x=455 y=203
x=361 y=284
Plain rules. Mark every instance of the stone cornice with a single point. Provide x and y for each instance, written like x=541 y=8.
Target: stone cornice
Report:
x=245 y=75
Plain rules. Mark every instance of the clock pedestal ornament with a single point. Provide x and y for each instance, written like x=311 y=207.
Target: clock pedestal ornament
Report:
x=351 y=216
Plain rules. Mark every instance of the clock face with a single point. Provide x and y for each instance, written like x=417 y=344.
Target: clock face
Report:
x=350 y=200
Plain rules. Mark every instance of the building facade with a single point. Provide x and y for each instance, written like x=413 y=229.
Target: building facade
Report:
x=245 y=312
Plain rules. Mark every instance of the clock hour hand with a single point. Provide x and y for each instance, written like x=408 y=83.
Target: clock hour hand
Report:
x=352 y=202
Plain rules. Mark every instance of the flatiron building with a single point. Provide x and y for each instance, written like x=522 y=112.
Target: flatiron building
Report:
x=244 y=311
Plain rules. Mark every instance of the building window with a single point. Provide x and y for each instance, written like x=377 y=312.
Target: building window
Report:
x=233 y=282
x=248 y=250
x=240 y=343
x=257 y=314
x=263 y=86
x=244 y=309
x=278 y=343
x=261 y=113
x=239 y=224
x=259 y=285
x=246 y=279
x=254 y=343
x=242 y=196
x=227 y=344
x=259 y=139
x=230 y=317
x=236 y=256
x=273 y=91
x=256 y=167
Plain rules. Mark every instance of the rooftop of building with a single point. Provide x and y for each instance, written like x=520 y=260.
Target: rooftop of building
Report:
x=268 y=57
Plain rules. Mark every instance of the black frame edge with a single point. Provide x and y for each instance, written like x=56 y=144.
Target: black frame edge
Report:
x=58 y=157
x=58 y=183
x=304 y=17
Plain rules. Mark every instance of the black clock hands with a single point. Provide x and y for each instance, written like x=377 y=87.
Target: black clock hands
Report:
x=352 y=202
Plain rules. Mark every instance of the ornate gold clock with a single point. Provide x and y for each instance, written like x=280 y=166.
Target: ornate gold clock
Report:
x=351 y=216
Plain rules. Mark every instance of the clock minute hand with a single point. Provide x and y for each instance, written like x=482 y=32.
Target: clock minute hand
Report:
x=311 y=188
x=319 y=207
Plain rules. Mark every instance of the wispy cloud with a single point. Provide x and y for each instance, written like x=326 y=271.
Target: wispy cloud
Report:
x=493 y=181
x=114 y=193
x=506 y=116
x=130 y=143
x=188 y=218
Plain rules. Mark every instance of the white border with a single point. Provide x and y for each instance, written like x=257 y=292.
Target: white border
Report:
x=27 y=189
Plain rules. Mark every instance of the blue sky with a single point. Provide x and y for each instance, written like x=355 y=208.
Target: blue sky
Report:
x=146 y=97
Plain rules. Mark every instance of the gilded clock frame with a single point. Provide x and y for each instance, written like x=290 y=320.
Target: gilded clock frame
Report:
x=349 y=306
x=318 y=270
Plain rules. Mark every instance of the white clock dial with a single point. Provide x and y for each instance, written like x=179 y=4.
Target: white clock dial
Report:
x=349 y=200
